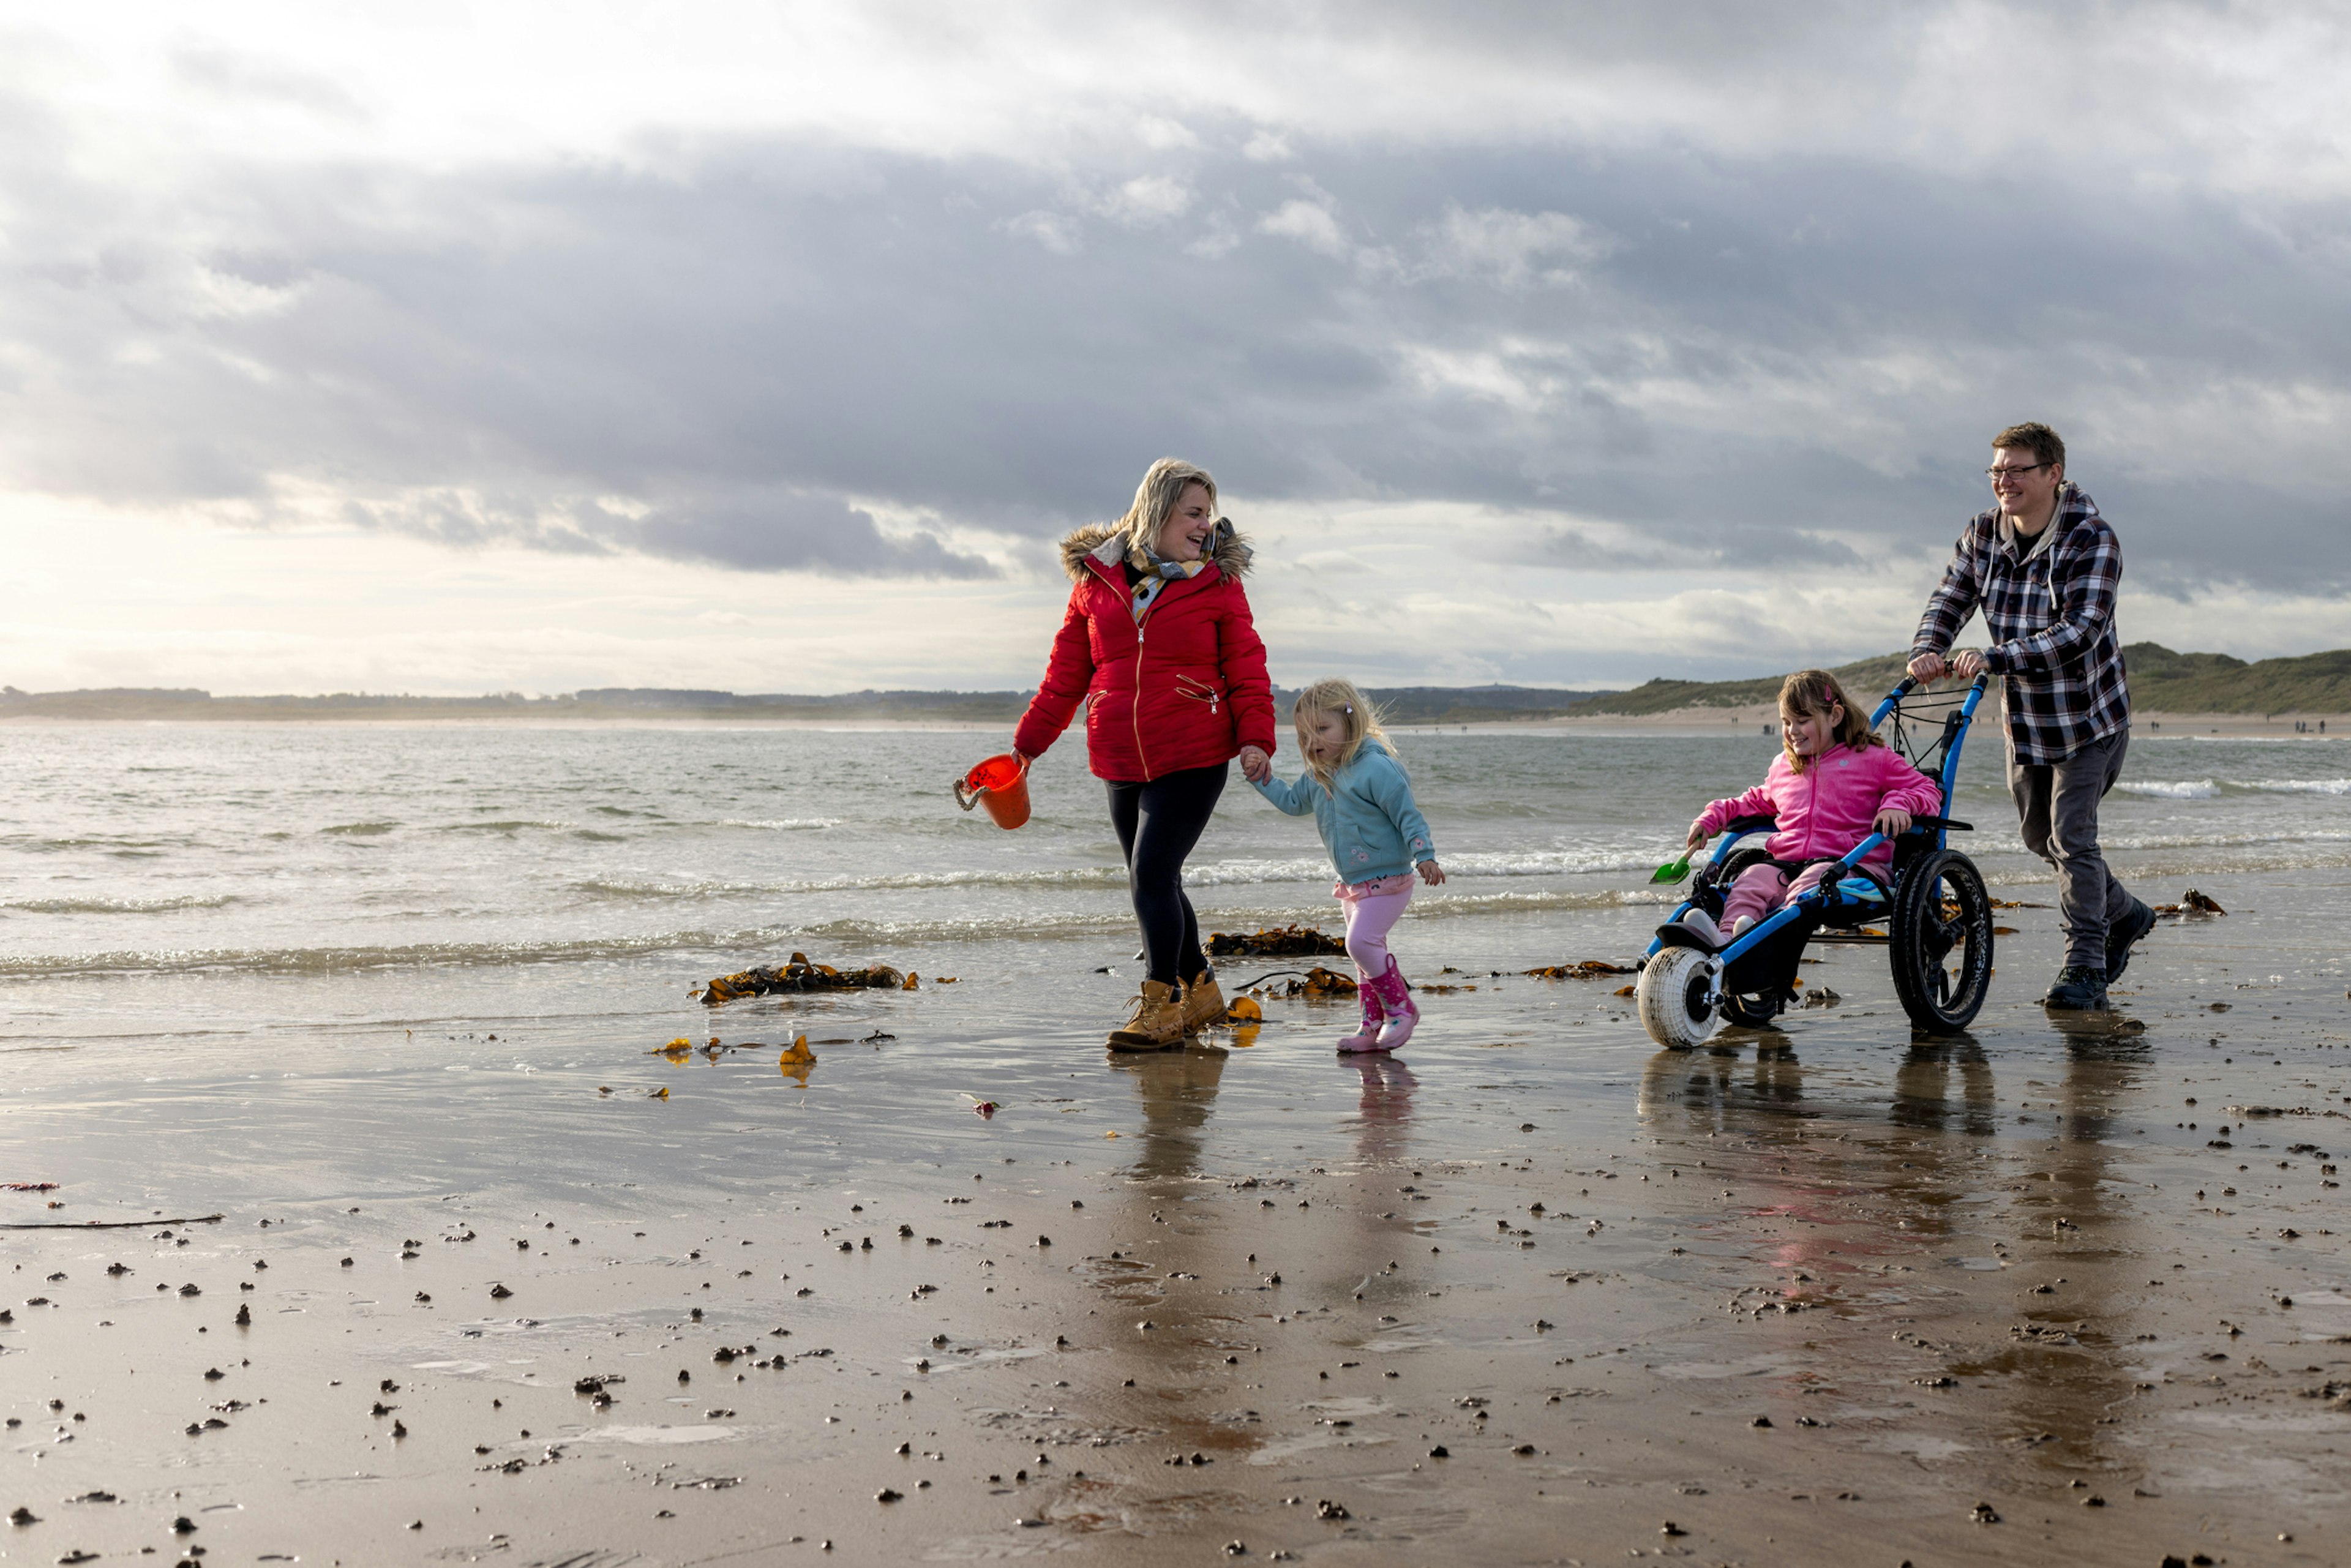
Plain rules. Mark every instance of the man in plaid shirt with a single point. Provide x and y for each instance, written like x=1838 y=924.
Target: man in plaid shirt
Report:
x=2044 y=568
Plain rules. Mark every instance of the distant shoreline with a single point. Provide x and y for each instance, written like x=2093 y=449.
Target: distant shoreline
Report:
x=2211 y=693
x=2153 y=723
x=636 y=719
x=1695 y=721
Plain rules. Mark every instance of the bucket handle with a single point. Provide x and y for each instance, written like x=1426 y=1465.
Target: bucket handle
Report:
x=969 y=798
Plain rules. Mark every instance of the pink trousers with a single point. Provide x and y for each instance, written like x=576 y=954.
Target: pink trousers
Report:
x=1373 y=909
x=1760 y=889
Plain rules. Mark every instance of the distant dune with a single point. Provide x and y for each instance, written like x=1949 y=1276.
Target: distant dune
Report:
x=2161 y=681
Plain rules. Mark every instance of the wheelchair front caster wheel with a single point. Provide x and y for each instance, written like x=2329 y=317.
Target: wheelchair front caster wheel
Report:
x=1672 y=994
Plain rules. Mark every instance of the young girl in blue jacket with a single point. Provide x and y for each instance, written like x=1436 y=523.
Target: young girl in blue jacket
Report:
x=1362 y=807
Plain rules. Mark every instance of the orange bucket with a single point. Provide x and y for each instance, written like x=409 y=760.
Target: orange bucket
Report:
x=1001 y=784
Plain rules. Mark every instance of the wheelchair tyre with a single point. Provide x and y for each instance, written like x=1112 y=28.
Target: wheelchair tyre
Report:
x=1749 y=1012
x=1672 y=996
x=1941 y=942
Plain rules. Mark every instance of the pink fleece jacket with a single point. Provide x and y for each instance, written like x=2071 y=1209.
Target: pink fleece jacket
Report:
x=1828 y=808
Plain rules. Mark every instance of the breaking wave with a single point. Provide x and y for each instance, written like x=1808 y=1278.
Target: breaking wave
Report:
x=1216 y=873
x=2214 y=789
x=2197 y=790
x=421 y=954
x=119 y=906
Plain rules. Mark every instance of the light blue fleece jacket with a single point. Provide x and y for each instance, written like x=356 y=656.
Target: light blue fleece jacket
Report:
x=1366 y=817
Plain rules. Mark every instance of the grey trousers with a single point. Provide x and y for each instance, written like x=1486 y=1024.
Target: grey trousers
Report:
x=2057 y=810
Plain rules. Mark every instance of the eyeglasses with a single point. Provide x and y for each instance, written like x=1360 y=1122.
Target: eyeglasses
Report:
x=1996 y=474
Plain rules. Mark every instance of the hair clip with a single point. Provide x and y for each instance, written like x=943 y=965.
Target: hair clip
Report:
x=1347 y=707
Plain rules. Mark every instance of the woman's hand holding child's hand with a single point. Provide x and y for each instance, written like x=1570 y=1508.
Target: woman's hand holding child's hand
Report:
x=1892 y=824
x=1256 y=765
x=1431 y=873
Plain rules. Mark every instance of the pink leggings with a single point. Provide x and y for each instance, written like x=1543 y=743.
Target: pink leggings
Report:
x=1760 y=889
x=1373 y=909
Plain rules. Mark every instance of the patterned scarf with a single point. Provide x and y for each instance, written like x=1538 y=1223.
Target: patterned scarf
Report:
x=1158 y=572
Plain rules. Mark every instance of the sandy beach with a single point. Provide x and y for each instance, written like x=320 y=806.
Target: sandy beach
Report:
x=1537 y=1292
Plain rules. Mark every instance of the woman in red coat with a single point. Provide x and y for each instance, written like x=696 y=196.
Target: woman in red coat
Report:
x=1158 y=637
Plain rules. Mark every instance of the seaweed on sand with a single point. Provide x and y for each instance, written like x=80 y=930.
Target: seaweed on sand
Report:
x=800 y=975
x=1274 y=941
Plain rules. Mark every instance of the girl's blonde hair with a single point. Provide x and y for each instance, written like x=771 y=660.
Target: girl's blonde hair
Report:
x=1357 y=716
x=1163 y=485
x=1810 y=692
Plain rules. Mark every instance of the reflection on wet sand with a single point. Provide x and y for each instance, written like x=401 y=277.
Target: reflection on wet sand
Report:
x=1192 y=1298
x=1171 y=1255
x=2068 y=1369
x=1384 y=1112
x=1858 y=1208
x=1922 y=1088
x=1176 y=1090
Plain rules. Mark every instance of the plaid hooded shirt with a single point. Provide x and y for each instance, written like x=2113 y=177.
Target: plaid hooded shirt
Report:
x=2051 y=616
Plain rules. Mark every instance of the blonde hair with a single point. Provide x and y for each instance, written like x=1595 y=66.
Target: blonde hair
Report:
x=1357 y=716
x=1810 y=692
x=1163 y=485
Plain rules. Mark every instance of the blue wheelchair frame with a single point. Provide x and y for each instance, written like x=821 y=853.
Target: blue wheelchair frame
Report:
x=1853 y=897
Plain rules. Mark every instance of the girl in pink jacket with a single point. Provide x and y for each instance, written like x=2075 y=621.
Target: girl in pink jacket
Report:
x=1832 y=784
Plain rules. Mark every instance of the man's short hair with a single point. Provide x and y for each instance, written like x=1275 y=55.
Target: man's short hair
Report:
x=2037 y=439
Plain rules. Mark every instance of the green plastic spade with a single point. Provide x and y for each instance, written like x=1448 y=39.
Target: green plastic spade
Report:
x=1673 y=870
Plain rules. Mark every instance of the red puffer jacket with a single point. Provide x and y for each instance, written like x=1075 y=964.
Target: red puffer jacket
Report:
x=1187 y=688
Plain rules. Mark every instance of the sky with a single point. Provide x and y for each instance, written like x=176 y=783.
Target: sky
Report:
x=770 y=347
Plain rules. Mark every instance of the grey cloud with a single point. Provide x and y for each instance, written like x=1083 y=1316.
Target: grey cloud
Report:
x=784 y=530
x=1734 y=547
x=239 y=76
x=749 y=354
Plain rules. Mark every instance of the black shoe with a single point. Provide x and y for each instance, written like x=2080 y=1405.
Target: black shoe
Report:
x=2078 y=989
x=2123 y=934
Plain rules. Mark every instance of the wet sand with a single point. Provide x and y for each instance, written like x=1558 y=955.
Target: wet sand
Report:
x=1534 y=1293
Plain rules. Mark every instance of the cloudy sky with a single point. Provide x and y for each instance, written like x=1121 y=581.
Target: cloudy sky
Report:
x=453 y=347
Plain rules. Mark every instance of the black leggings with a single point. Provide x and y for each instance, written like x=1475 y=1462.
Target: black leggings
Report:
x=1157 y=825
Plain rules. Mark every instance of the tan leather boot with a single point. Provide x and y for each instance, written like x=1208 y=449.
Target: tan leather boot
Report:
x=1203 y=1005
x=1156 y=1023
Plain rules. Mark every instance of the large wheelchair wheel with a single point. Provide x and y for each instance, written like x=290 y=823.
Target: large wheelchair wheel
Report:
x=1672 y=992
x=1940 y=942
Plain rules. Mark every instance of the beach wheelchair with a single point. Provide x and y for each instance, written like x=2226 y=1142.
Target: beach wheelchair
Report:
x=1931 y=913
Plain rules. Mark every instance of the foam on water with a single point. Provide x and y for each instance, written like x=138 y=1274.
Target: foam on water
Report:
x=2184 y=789
x=2214 y=789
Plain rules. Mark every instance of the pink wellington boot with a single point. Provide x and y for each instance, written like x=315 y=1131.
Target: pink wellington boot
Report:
x=1396 y=1002
x=1366 y=1038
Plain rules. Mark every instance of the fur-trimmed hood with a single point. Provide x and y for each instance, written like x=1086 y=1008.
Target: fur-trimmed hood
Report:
x=1101 y=541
